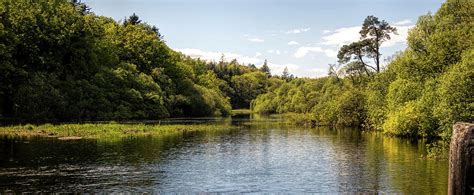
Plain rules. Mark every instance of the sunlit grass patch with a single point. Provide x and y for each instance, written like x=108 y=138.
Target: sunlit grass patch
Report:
x=241 y=111
x=99 y=131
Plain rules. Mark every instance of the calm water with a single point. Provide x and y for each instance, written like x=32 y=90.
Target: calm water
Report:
x=261 y=156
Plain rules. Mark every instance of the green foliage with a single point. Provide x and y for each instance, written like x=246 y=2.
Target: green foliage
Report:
x=208 y=102
x=434 y=75
x=350 y=108
x=108 y=131
x=422 y=92
x=265 y=68
x=456 y=97
x=373 y=33
x=403 y=121
x=59 y=61
x=247 y=87
x=327 y=100
x=402 y=91
x=238 y=82
x=376 y=93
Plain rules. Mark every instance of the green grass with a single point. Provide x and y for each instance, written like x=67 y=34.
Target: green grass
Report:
x=241 y=111
x=102 y=131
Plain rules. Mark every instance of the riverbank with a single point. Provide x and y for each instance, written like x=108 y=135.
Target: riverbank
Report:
x=301 y=119
x=101 y=131
x=437 y=148
x=261 y=156
x=241 y=111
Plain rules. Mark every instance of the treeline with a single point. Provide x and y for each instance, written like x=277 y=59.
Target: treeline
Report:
x=60 y=61
x=420 y=93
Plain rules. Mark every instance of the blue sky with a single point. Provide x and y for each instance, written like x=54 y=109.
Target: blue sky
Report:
x=303 y=35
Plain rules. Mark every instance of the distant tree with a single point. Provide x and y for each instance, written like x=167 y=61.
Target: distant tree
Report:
x=132 y=20
x=252 y=66
x=376 y=32
x=247 y=87
x=373 y=34
x=356 y=51
x=286 y=75
x=222 y=60
x=95 y=68
x=81 y=7
x=334 y=71
x=265 y=68
x=157 y=31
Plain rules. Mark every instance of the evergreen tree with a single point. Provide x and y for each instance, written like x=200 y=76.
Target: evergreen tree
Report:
x=132 y=20
x=373 y=34
x=265 y=68
x=376 y=32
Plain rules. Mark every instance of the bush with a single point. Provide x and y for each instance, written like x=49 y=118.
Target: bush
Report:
x=456 y=95
x=404 y=121
x=351 y=108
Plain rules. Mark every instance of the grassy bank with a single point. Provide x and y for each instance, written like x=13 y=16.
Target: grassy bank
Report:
x=100 y=131
x=241 y=111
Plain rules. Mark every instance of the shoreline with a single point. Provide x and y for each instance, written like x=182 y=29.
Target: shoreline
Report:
x=104 y=131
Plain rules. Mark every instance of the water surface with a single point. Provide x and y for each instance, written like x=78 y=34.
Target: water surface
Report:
x=261 y=156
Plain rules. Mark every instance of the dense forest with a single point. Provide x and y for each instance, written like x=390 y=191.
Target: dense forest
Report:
x=60 y=61
x=420 y=93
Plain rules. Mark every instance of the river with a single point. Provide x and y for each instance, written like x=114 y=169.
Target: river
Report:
x=262 y=155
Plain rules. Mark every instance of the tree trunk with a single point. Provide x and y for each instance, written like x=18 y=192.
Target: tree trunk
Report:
x=377 y=56
x=461 y=156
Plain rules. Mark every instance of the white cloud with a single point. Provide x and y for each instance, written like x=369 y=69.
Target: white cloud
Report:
x=258 y=54
x=403 y=22
x=257 y=40
x=400 y=38
x=319 y=72
x=326 y=31
x=293 y=43
x=274 y=51
x=297 y=31
x=216 y=56
x=346 y=35
x=342 y=36
x=303 y=51
x=277 y=69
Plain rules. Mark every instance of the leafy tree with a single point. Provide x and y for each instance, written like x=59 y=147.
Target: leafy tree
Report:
x=357 y=51
x=373 y=34
x=456 y=98
x=247 y=87
x=252 y=66
x=132 y=20
x=376 y=32
x=286 y=75
x=265 y=68
x=59 y=61
x=421 y=93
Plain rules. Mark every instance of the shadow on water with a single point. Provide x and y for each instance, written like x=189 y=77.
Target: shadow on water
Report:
x=264 y=155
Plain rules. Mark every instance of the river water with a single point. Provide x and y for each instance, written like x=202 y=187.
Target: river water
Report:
x=262 y=155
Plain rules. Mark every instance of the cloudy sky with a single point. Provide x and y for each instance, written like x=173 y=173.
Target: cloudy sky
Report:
x=303 y=35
